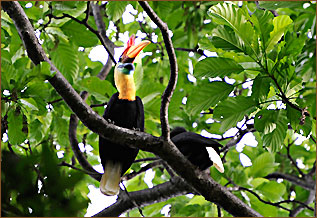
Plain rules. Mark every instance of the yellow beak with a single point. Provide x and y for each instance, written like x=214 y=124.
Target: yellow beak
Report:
x=134 y=50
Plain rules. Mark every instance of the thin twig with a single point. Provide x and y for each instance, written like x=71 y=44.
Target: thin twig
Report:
x=98 y=105
x=311 y=197
x=147 y=159
x=89 y=28
x=142 y=170
x=291 y=159
x=87 y=12
x=55 y=101
x=195 y=50
x=306 y=184
x=219 y=210
x=63 y=163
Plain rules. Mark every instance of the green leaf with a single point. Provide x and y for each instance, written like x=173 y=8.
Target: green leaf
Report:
x=217 y=66
x=101 y=89
x=16 y=134
x=272 y=190
x=273 y=5
x=74 y=8
x=260 y=88
x=36 y=131
x=273 y=125
x=56 y=31
x=30 y=103
x=37 y=89
x=175 y=18
x=115 y=9
x=232 y=16
x=264 y=209
x=280 y=24
x=293 y=44
x=136 y=184
x=138 y=75
x=61 y=130
x=46 y=69
x=208 y=95
x=262 y=165
x=264 y=121
x=8 y=74
x=293 y=116
x=226 y=39
x=65 y=58
x=197 y=200
x=258 y=181
x=79 y=34
x=232 y=110
x=263 y=24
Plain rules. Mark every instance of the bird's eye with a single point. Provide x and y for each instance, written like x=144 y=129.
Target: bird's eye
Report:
x=129 y=67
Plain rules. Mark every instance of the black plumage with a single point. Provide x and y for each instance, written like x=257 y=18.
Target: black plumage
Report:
x=127 y=114
x=193 y=147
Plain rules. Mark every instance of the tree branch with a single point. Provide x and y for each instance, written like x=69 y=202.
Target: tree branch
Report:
x=84 y=22
x=201 y=182
x=102 y=33
x=73 y=122
x=196 y=50
x=63 y=163
x=310 y=199
x=142 y=170
x=291 y=159
x=277 y=204
x=146 y=197
x=308 y=185
x=167 y=95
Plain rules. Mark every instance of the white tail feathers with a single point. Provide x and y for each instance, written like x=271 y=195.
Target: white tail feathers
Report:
x=109 y=183
x=215 y=158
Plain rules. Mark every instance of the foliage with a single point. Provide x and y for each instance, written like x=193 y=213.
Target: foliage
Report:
x=261 y=73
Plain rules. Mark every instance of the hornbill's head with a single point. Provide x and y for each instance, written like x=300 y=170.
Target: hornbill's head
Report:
x=125 y=68
x=132 y=50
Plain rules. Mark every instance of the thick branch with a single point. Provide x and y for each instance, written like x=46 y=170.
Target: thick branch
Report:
x=159 y=193
x=73 y=123
x=211 y=190
x=167 y=95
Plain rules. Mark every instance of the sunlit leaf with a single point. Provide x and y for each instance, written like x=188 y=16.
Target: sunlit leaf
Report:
x=232 y=110
x=280 y=24
x=262 y=165
x=208 y=95
x=232 y=16
x=216 y=66
x=65 y=58
x=115 y=9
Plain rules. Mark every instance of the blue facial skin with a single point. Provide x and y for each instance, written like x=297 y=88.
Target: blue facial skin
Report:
x=126 y=68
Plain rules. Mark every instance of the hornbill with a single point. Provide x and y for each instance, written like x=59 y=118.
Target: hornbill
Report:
x=124 y=109
x=200 y=151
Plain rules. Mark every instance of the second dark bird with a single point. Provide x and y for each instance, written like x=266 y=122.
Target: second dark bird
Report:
x=200 y=151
